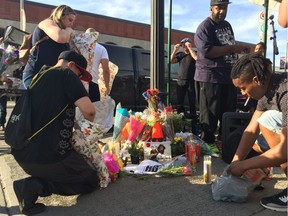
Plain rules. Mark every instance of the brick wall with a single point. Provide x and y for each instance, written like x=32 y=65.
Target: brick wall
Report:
x=36 y=12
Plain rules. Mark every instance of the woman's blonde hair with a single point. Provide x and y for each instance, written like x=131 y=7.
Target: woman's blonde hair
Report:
x=59 y=12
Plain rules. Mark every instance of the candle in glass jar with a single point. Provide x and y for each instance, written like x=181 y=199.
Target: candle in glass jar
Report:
x=207 y=169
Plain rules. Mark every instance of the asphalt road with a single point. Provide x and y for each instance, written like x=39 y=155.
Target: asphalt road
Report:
x=142 y=196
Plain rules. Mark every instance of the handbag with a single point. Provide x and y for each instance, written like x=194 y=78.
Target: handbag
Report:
x=18 y=132
x=26 y=47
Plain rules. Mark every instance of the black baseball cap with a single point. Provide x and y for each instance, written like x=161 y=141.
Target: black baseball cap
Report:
x=186 y=40
x=80 y=62
x=219 y=2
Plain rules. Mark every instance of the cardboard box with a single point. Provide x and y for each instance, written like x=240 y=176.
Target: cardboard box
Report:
x=159 y=150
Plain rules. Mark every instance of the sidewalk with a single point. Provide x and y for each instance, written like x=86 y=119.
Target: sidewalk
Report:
x=132 y=195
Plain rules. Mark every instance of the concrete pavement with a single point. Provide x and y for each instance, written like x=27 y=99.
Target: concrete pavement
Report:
x=131 y=195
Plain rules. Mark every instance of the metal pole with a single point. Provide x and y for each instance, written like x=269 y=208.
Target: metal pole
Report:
x=266 y=5
x=286 y=58
x=157 y=63
x=169 y=52
x=22 y=16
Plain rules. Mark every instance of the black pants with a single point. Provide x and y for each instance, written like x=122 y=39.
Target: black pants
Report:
x=94 y=93
x=3 y=110
x=70 y=176
x=186 y=87
x=214 y=100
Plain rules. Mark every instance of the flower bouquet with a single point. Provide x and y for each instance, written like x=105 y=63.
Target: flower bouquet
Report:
x=136 y=126
x=9 y=59
x=151 y=96
x=121 y=118
x=177 y=167
x=177 y=146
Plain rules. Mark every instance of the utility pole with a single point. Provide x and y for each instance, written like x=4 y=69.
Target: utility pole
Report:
x=22 y=16
x=266 y=5
x=157 y=65
x=169 y=52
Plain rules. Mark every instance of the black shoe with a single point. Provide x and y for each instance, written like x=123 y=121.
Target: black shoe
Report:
x=195 y=125
x=27 y=192
x=207 y=134
x=278 y=202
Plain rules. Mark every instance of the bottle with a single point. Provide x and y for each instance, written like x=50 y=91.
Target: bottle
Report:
x=190 y=152
x=197 y=149
x=196 y=145
x=269 y=174
x=187 y=147
x=192 y=156
x=207 y=169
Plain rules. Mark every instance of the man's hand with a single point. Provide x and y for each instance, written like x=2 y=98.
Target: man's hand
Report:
x=177 y=47
x=6 y=80
x=238 y=48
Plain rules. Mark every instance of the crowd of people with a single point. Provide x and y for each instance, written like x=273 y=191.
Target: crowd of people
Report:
x=220 y=72
x=205 y=76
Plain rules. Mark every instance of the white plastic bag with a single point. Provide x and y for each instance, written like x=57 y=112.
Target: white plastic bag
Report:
x=231 y=188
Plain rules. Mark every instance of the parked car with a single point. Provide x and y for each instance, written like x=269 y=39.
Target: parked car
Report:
x=133 y=77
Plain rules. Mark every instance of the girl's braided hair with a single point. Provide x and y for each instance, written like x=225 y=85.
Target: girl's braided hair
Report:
x=250 y=65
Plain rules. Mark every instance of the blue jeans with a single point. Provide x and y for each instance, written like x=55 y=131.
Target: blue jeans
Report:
x=272 y=120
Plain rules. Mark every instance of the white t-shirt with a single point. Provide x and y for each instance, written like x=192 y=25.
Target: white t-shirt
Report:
x=100 y=52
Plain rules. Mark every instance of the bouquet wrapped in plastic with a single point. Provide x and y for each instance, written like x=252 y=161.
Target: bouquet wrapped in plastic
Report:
x=136 y=127
x=104 y=115
x=114 y=165
x=84 y=43
x=86 y=135
x=113 y=69
x=9 y=59
x=168 y=127
x=121 y=118
x=85 y=143
x=179 y=166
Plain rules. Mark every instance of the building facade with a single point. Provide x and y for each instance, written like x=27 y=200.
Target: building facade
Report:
x=112 y=31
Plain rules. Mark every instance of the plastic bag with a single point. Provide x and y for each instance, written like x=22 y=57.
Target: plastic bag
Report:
x=204 y=147
x=148 y=167
x=179 y=166
x=231 y=188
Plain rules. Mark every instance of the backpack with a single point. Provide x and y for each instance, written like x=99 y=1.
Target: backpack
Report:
x=18 y=131
x=26 y=47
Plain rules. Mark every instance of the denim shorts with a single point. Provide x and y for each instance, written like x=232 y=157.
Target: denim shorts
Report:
x=272 y=120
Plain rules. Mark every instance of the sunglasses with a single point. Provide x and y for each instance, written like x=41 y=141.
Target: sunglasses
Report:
x=81 y=73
